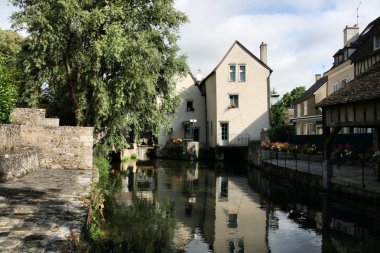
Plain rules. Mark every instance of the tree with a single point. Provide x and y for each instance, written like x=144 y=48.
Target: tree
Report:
x=289 y=98
x=8 y=94
x=278 y=112
x=104 y=63
x=10 y=46
x=10 y=75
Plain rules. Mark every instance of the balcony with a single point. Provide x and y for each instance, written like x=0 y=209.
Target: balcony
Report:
x=233 y=140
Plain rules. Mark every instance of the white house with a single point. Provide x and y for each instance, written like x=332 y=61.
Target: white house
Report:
x=229 y=107
x=190 y=120
x=237 y=94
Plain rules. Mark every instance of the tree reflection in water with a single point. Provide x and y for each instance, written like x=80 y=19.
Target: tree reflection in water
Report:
x=136 y=224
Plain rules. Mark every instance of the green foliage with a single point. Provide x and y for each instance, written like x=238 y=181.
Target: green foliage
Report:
x=289 y=98
x=145 y=226
x=125 y=159
x=8 y=94
x=134 y=156
x=103 y=167
x=107 y=63
x=96 y=232
x=278 y=112
x=100 y=191
x=309 y=149
x=10 y=75
x=281 y=133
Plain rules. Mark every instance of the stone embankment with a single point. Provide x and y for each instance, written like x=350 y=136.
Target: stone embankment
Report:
x=44 y=211
x=45 y=183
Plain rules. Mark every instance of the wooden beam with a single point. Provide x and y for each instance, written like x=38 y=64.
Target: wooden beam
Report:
x=332 y=135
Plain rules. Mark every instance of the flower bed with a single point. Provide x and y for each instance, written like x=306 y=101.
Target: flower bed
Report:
x=282 y=150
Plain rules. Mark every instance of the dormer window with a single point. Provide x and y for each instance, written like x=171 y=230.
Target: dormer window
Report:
x=376 y=42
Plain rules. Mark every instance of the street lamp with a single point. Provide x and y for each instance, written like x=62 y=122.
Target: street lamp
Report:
x=192 y=121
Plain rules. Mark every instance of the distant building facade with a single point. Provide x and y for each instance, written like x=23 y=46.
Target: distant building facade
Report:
x=308 y=119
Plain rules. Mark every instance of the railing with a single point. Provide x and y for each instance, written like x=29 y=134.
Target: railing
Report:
x=359 y=170
x=233 y=140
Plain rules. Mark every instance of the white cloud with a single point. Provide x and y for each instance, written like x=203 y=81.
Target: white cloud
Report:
x=301 y=35
x=6 y=10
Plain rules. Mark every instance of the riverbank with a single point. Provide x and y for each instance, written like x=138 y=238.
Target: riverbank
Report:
x=44 y=211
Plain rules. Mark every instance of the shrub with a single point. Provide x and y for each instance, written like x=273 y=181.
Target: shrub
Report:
x=344 y=152
x=309 y=149
x=281 y=133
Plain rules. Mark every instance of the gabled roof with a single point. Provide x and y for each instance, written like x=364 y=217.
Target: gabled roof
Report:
x=364 y=43
x=318 y=84
x=363 y=88
x=224 y=57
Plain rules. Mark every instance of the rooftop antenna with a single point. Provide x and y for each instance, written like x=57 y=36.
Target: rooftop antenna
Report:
x=357 y=14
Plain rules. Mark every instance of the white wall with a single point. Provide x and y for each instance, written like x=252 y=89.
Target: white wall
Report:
x=251 y=219
x=344 y=71
x=252 y=114
x=188 y=91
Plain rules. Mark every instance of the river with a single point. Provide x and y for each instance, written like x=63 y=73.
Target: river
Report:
x=173 y=206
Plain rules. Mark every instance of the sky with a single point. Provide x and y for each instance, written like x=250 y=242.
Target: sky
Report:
x=302 y=36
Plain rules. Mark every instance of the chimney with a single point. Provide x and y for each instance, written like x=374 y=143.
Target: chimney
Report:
x=317 y=77
x=350 y=34
x=263 y=52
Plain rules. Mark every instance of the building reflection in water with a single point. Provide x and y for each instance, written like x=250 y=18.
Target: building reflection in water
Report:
x=220 y=212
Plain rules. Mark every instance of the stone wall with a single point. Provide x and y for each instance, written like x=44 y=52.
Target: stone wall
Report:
x=59 y=147
x=17 y=163
x=32 y=117
x=254 y=153
x=187 y=150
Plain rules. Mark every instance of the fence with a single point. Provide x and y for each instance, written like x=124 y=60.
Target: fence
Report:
x=359 y=169
x=360 y=142
x=233 y=140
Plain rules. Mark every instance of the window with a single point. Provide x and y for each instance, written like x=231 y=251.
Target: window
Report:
x=223 y=188
x=196 y=134
x=305 y=108
x=298 y=110
x=242 y=73
x=232 y=77
x=298 y=130
x=318 y=129
x=376 y=42
x=311 y=128
x=189 y=105
x=211 y=128
x=232 y=220
x=224 y=130
x=233 y=101
x=305 y=129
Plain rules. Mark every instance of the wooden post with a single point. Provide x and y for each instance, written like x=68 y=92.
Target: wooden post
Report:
x=327 y=139
x=376 y=147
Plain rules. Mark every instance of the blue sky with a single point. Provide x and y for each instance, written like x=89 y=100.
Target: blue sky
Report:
x=302 y=36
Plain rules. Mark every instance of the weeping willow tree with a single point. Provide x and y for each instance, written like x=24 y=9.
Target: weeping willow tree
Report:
x=110 y=64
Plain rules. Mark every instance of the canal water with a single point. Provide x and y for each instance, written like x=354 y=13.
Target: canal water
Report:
x=172 y=206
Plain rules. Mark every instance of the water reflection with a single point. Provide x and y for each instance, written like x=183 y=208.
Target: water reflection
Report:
x=188 y=207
